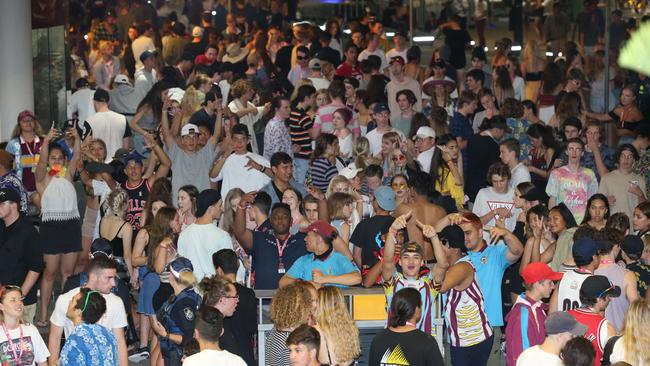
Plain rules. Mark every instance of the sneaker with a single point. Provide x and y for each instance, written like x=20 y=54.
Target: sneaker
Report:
x=140 y=355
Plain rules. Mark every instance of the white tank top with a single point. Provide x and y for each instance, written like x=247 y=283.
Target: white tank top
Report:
x=568 y=295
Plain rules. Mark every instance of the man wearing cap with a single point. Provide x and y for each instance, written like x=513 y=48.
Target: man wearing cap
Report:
x=572 y=184
x=196 y=46
x=381 y=115
x=471 y=335
x=525 y=322
x=190 y=163
x=146 y=76
x=203 y=238
x=509 y=152
x=21 y=255
x=596 y=292
x=9 y=179
x=80 y=102
x=560 y=327
x=122 y=98
x=107 y=125
x=610 y=240
x=425 y=145
x=631 y=251
x=241 y=169
x=400 y=81
x=323 y=266
x=315 y=75
x=567 y=295
x=274 y=251
x=106 y=67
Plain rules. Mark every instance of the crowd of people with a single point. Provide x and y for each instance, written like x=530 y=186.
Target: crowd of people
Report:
x=214 y=148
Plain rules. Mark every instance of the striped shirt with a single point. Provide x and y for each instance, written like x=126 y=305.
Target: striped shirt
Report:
x=322 y=172
x=299 y=126
x=465 y=315
x=325 y=119
x=428 y=293
x=277 y=353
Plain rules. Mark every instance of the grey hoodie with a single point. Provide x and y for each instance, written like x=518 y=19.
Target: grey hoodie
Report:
x=123 y=100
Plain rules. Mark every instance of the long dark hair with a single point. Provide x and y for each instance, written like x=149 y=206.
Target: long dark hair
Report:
x=537 y=130
x=551 y=78
x=597 y=196
x=154 y=101
x=159 y=230
x=404 y=305
x=566 y=214
x=438 y=163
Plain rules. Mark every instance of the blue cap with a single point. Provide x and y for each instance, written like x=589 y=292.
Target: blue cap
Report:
x=134 y=155
x=584 y=249
x=180 y=264
x=380 y=107
x=386 y=198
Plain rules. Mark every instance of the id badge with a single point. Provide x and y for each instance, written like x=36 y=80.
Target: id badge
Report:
x=281 y=269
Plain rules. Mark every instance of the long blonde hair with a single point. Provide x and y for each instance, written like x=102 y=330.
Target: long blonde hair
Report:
x=228 y=213
x=636 y=337
x=337 y=325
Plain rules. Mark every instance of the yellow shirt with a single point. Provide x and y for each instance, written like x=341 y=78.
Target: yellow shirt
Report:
x=450 y=188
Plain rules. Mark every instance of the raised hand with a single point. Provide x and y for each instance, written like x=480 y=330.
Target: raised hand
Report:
x=247 y=199
x=496 y=233
x=400 y=222
x=456 y=219
x=252 y=164
x=427 y=230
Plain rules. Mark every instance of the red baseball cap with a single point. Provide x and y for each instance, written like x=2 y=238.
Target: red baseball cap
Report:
x=320 y=227
x=538 y=271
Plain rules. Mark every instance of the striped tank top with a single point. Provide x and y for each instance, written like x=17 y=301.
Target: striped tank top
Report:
x=465 y=315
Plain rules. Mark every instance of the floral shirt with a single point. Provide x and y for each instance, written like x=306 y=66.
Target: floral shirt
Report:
x=642 y=168
x=519 y=128
x=90 y=345
x=11 y=180
x=572 y=188
x=276 y=138
x=642 y=273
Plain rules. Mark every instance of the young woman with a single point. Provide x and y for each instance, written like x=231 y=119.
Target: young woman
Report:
x=531 y=68
x=322 y=98
x=632 y=347
x=641 y=221
x=22 y=342
x=322 y=165
x=502 y=85
x=60 y=227
x=175 y=319
x=362 y=105
x=187 y=196
x=550 y=86
x=400 y=186
x=626 y=116
x=569 y=106
x=147 y=117
x=539 y=238
x=25 y=146
x=597 y=211
x=341 y=209
x=540 y=157
x=336 y=42
x=342 y=118
x=116 y=231
x=513 y=111
x=405 y=101
x=531 y=112
x=233 y=198
x=489 y=103
x=562 y=225
x=339 y=334
x=389 y=142
x=446 y=169
x=402 y=162
x=293 y=198
x=412 y=67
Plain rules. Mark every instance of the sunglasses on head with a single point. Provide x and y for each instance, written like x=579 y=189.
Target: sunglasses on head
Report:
x=6 y=288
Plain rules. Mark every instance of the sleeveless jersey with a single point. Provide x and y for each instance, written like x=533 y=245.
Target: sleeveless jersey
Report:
x=428 y=293
x=465 y=315
x=568 y=292
x=137 y=200
x=596 y=330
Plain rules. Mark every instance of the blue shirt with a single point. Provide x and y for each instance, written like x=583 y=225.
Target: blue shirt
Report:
x=490 y=264
x=334 y=265
x=266 y=258
x=91 y=345
x=461 y=126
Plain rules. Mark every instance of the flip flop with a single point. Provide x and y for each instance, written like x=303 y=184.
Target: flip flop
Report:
x=42 y=323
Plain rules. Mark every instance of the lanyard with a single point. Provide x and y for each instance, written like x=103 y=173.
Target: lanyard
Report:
x=281 y=247
x=606 y=261
x=29 y=149
x=17 y=356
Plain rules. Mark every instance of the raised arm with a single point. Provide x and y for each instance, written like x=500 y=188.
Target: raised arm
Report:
x=218 y=125
x=442 y=264
x=41 y=167
x=169 y=138
x=456 y=276
x=163 y=158
x=388 y=264
x=76 y=154
x=243 y=235
x=515 y=248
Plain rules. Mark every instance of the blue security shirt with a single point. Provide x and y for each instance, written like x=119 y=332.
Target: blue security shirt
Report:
x=490 y=264
x=335 y=264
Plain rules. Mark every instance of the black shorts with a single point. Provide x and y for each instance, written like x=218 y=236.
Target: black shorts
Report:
x=60 y=237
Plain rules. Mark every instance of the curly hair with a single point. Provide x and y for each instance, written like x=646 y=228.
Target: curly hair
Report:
x=290 y=307
x=240 y=87
x=213 y=289
x=118 y=202
x=337 y=325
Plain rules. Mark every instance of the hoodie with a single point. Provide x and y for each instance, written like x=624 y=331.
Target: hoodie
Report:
x=525 y=327
x=123 y=100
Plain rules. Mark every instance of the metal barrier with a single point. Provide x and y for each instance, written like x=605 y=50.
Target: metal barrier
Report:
x=264 y=325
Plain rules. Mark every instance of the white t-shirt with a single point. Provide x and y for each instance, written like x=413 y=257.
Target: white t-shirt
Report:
x=534 y=356
x=198 y=242
x=111 y=128
x=487 y=199
x=520 y=174
x=235 y=174
x=379 y=53
x=320 y=83
x=374 y=139
x=81 y=102
x=34 y=350
x=212 y=357
x=115 y=316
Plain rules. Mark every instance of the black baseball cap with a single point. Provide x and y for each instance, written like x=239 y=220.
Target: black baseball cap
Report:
x=584 y=249
x=632 y=244
x=101 y=95
x=454 y=236
x=101 y=246
x=207 y=198
x=8 y=194
x=597 y=286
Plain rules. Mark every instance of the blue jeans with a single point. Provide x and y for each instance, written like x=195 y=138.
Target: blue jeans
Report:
x=300 y=170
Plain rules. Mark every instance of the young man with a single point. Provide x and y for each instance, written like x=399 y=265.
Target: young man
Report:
x=372 y=48
x=425 y=145
x=567 y=295
x=411 y=259
x=107 y=125
x=349 y=68
x=595 y=294
x=259 y=211
x=276 y=133
x=623 y=184
x=323 y=266
x=242 y=168
x=275 y=251
x=381 y=115
x=101 y=277
x=304 y=344
x=509 y=151
x=399 y=82
x=301 y=69
x=208 y=328
x=460 y=124
x=597 y=156
x=495 y=203
x=400 y=42
x=316 y=75
x=610 y=240
x=207 y=114
x=242 y=324
x=475 y=79
x=631 y=251
x=201 y=239
x=572 y=184
x=282 y=169
x=560 y=327
x=471 y=336
x=525 y=322
x=146 y=76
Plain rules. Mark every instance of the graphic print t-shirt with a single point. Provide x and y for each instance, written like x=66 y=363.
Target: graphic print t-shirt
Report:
x=414 y=348
x=33 y=348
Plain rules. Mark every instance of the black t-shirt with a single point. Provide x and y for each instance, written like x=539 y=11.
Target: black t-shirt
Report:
x=20 y=252
x=242 y=326
x=456 y=40
x=367 y=236
x=416 y=347
x=202 y=118
x=482 y=152
x=266 y=258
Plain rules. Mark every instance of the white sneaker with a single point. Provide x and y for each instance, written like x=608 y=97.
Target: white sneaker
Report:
x=140 y=355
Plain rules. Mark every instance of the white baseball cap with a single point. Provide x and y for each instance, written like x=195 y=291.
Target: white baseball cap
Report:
x=424 y=132
x=121 y=79
x=349 y=172
x=176 y=94
x=189 y=128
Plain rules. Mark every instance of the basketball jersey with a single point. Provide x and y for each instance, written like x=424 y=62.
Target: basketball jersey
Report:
x=137 y=200
x=428 y=293
x=568 y=292
x=465 y=315
x=596 y=330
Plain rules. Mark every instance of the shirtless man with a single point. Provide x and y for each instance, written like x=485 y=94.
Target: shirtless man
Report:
x=422 y=210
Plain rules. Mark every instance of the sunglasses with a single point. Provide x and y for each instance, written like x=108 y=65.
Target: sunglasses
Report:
x=302 y=57
x=87 y=298
x=399 y=185
x=399 y=158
